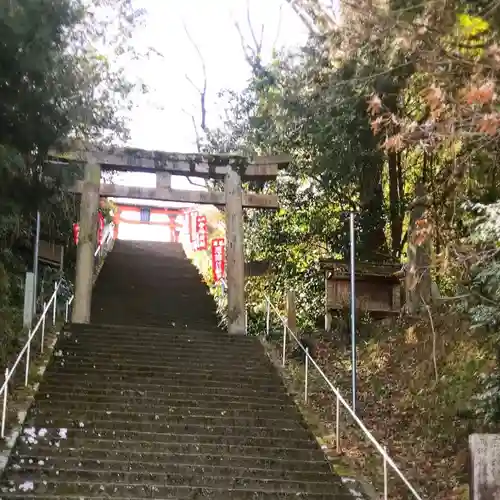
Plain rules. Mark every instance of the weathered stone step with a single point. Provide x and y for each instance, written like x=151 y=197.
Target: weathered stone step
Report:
x=84 y=378
x=259 y=419
x=161 y=408
x=119 y=332
x=157 y=349
x=74 y=437
x=173 y=373
x=166 y=357
x=137 y=484
x=280 y=471
x=200 y=393
x=171 y=451
x=198 y=494
x=165 y=424
x=76 y=384
x=149 y=345
x=182 y=367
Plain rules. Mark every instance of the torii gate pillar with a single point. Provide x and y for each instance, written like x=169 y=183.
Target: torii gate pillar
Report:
x=89 y=206
x=235 y=253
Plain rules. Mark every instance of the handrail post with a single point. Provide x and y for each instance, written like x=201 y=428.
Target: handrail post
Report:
x=337 y=425
x=43 y=327
x=284 y=343
x=54 y=310
x=66 y=312
x=306 y=375
x=268 y=318
x=27 y=370
x=291 y=313
x=386 y=489
x=4 y=405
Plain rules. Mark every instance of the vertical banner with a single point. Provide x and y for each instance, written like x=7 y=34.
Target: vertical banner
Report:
x=76 y=232
x=218 y=256
x=201 y=232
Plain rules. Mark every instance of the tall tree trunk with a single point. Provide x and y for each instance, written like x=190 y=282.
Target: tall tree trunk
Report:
x=396 y=213
x=418 y=277
x=372 y=240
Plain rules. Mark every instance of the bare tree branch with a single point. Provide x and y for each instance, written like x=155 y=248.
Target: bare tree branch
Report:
x=202 y=91
x=278 y=29
x=252 y=53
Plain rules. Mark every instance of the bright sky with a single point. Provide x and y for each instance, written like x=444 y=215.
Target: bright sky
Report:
x=161 y=118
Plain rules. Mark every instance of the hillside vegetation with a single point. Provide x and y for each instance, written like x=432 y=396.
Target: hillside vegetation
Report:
x=392 y=114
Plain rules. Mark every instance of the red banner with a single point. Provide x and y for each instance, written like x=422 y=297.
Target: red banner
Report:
x=76 y=232
x=201 y=232
x=218 y=258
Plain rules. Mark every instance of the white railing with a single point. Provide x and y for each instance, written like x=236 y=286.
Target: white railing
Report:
x=26 y=352
x=340 y=401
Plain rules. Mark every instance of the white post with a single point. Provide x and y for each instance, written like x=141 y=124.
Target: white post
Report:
x=54 y=309
x=27 y=370
x=4 y=405
x=337 y=425
x=306 y=375
x=43 y=327
x=284 y=343
x=66 y=312
x=385 y=475
x=268 y=319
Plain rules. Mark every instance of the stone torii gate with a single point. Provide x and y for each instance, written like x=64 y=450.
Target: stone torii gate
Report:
x=232 y=168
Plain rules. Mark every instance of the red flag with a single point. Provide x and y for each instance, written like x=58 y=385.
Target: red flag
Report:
x=218 y=258
x=76 y=232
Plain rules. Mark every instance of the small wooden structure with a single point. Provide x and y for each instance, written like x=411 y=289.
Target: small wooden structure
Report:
x=51 y=253
x=378 y=287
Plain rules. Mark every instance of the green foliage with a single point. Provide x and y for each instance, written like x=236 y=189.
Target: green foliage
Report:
x=61 y=84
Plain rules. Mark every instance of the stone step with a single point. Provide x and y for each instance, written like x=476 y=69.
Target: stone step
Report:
x=117 y=329
x=173 y=339
x=165 y=424
x=142 y=381
x=89 y=483
x=169 y=448
x=208 y=395
x=154 y=373
x=191 y=494
x=62 y=465
x=157 y=352
x=207 y=388
x=162 y=407
x=191 y=425
x=182 y=365
x=137 y=414
x=210 y=356
x=48 y=436
x=125 y=403
x=163 y=344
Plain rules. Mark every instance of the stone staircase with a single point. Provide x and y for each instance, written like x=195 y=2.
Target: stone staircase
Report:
x=172 y=410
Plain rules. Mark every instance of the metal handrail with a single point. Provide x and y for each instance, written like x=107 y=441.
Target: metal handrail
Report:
x=26 y=350
x=340 y=400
